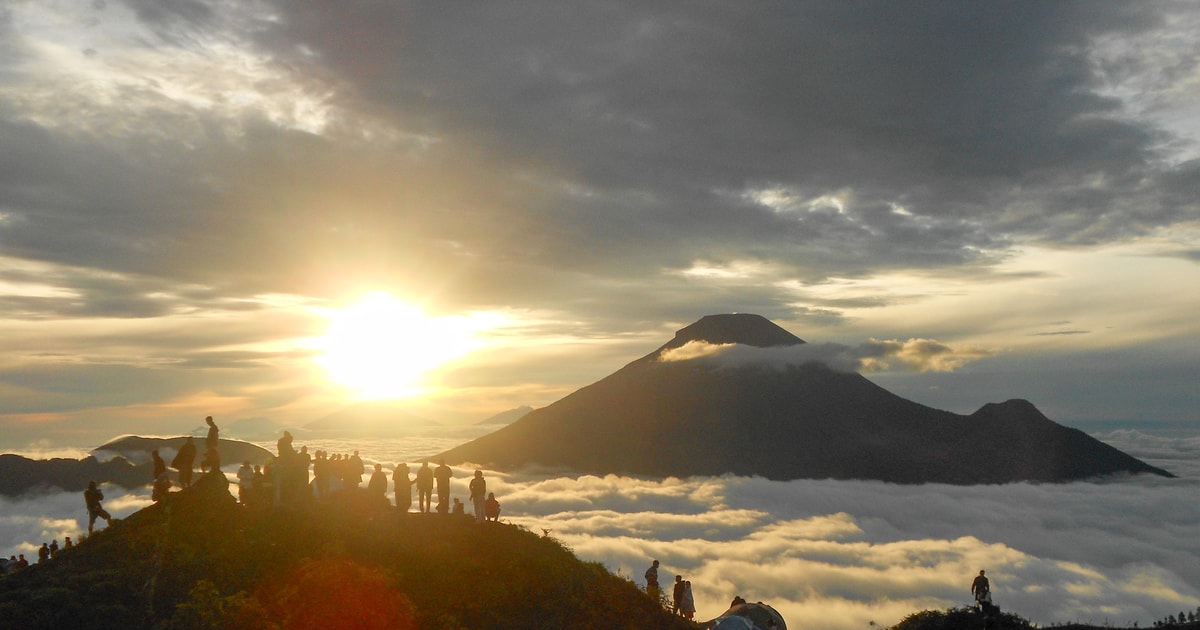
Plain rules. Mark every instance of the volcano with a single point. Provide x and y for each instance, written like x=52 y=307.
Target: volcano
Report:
x=776 y=414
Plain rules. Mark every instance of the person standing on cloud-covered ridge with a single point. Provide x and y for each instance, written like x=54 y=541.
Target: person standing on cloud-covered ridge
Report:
x=478 y=489
x=442 y=474
x=981 y=589
x=424 y=486
x=652 y=581
x=402 y=484
x=184 y=461
x=92 y=498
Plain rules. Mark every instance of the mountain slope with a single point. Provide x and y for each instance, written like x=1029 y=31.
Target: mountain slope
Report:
x=793 y=421
x=201 y=560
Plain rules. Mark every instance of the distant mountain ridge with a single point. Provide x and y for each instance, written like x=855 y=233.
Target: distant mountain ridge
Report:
x=806 y=421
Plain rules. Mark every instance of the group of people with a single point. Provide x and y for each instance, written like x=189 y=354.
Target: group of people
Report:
x=47 y=552
x=285 y=480
x=682 y=602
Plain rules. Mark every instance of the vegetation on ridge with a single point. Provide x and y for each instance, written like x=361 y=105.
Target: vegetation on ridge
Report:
x=199 y=560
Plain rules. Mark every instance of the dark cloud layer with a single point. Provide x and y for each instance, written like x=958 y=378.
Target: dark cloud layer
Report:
x=584 y=161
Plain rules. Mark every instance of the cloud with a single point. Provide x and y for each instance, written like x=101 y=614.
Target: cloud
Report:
x=920 y=355
x=833 y=554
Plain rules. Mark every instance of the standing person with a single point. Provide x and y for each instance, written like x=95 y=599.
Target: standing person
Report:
x=44 y=553
x=378 y=483
x=53 y=548
x=354 y=467
x=652 y=581
x=688 y=607
x=443 y=475
x=212 y=457
x=677 y=596
x=92 y=498
x=403 y=486
x=213 y=439
x=424 y=486
x=478 y=489
x=981 y=589
x=160 y=467
x=184 y=461
x=245 y=477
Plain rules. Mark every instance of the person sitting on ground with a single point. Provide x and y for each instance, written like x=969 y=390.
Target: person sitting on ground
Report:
x=458 y=507
x=491 y=508
x=92 y=498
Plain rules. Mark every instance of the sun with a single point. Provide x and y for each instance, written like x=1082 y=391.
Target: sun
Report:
x=381 y=347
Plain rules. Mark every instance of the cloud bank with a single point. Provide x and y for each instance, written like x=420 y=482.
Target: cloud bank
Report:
x=839 y=554
x=919 y=355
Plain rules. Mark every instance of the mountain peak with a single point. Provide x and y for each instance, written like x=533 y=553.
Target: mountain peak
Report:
x=744 y=328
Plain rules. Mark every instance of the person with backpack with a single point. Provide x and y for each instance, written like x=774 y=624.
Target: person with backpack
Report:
x=92 y=498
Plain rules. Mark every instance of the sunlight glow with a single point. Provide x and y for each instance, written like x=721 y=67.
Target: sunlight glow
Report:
x=382 y=347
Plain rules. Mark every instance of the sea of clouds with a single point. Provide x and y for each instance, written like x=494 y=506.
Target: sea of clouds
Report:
x=832 y=554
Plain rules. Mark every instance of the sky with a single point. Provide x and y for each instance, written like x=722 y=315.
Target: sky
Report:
x=827 y=554
x=257 y=209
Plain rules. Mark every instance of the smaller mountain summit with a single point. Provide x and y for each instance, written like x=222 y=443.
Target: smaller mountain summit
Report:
x=682 y=414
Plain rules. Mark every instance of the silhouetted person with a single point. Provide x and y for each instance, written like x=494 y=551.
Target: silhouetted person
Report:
x=211 y=461
x=300 y=478
x=478 y=489
x=652 y=581
x=212 y=456
x=258 y=494
x=67 y=544
x=160 y=467
x=355 y=467
x=22 y=562
x=184 y=461
x=245 y=477
x=688 y=606
x=161 y=488
x=981 y=589
x=44 y=553
x=402 y=484
x=213 y=439
x=458 y=507
x=677 y=595
x=53 y=548
x=443 y=475
x=92 y=498
x=378 y=483
x=491 y=507
x=424 y=486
